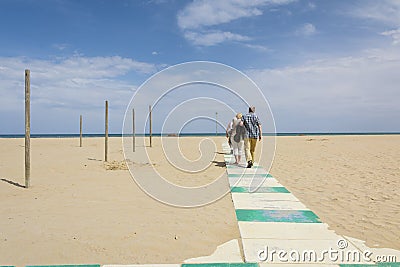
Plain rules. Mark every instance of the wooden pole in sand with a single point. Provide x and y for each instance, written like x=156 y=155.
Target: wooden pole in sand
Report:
x=151 y=130
x=106 y=135
x=80 y=131
x=216 y=123
x=27 y=128
x=133 y=131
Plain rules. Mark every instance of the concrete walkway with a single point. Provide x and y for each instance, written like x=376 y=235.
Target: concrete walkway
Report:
x=276 y=228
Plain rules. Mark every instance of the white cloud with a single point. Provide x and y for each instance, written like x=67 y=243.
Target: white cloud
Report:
x=61 y=47
x=307 y=29
x=261 y=48
x=395 y=34
x=213 y=38
x=208 y=13
x=384 y=11
x=338 y=94
x=61 y=88
x=202 y=15
x=312 y=6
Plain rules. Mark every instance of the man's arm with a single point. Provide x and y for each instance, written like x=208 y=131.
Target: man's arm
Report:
x=259 y=127
x=245 y=124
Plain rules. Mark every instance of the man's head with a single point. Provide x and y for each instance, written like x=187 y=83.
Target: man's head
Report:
x=252 y=109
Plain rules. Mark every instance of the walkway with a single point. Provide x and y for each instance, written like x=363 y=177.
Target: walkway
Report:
x=276 y=228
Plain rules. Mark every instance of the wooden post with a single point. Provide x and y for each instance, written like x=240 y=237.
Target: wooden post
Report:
x=216 y=123
x=150 y=126
x=27 y=128
x=80 y=131
x=133 y=131
x=106 y=135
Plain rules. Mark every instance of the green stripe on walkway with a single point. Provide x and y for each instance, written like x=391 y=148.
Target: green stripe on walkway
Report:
x=79 y=265
x=277 y=189
x=221 y=265
x=382 y=264
x=295 y=216
x=250 y=175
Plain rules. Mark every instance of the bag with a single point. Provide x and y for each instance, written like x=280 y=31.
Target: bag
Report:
x=240 y=131
x=236 y=138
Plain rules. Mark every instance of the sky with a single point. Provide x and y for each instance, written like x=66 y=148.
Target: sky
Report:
x=323 y=66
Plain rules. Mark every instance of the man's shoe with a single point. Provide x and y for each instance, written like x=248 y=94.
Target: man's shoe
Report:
x=249 y=164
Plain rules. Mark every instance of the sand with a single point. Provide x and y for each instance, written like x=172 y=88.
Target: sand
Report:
x=351 y=182
x=80 y=210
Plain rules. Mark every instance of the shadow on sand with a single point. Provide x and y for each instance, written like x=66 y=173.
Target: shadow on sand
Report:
x=12 y=183
x=221 y=164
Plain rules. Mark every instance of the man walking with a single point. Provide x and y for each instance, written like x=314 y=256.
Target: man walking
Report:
x=253 y=128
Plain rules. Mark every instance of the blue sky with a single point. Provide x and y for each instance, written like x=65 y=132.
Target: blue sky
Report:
x=324 y=66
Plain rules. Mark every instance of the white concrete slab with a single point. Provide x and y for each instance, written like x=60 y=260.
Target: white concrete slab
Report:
x=228 y=252
x=286 y=231
x=241 y=166
x=246 y=182
x=259 y=176
x=244 y=162
x=322 y=251
x=246 y=171
x=255 y=197
x=270 y=205
x=276 y=201
x=229 y=161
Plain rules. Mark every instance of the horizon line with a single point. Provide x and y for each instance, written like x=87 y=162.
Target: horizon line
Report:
x=49 y=135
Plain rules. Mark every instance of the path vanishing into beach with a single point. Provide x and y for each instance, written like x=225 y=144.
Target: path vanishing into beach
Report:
x=272 y=221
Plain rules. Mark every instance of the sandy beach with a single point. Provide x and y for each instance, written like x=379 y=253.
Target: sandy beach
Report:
x=350 y=182
x=77 y=211
x=80 y=210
